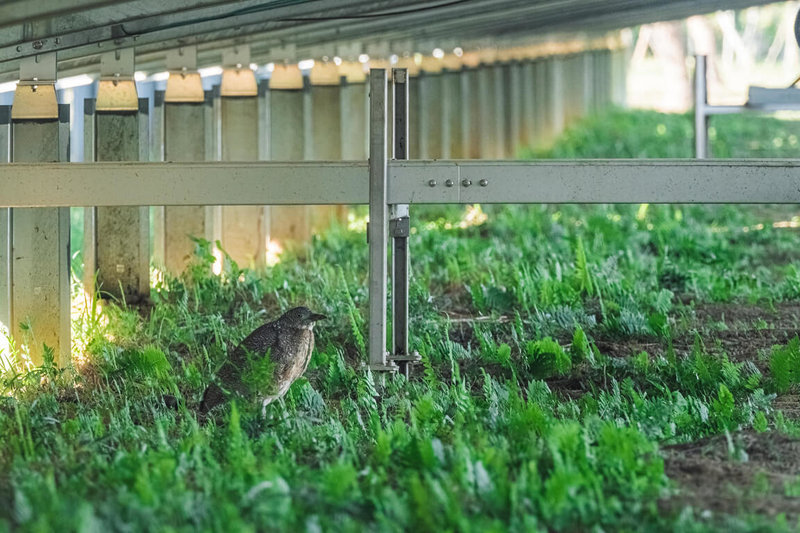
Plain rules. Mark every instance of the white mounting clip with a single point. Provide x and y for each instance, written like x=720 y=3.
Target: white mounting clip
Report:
x=35 y=96
x=184 y=83
x=238 y=79
x=117 y=88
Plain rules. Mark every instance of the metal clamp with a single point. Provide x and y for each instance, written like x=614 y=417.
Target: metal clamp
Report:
x=399 y=227
x=237 y=78
x=35 y=96
x=411 y=358
x=184 y=84
x=117 y=89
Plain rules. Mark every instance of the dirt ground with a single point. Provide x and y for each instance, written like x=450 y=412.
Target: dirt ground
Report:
x=746 y=472
x=753 y=473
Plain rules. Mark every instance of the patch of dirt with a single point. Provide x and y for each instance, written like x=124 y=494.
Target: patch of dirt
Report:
x=763 y=481
x=784 y=316
x=628 y=347
x=751 y=332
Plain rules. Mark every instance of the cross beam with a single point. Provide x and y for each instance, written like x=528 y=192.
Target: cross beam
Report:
x=408 y=182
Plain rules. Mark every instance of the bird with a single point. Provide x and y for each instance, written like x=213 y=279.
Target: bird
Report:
x=287 y=342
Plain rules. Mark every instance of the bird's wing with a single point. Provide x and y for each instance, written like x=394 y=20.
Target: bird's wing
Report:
x=259 y=342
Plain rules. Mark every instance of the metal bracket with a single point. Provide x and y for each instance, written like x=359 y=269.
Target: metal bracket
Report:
x=399 y=227
x=349 y=51
x=413 y=357
x=35 y=96
x=237 y=77
x=283 y=53
x=389 y=367
x=117 y=89
x=184 y=84
x=182 y=59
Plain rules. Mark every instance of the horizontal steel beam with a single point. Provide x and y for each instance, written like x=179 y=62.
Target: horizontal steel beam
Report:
x=212 y=183
x=596 y=181
x=410 y=182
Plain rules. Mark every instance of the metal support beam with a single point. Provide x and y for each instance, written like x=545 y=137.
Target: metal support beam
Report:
x=430 y=115
x=355 y=121
x=337 y=182
x=5 y=239
x=470 y=113
x=40 y=305
x=701 y=147
x=325 y=125
x=452 y=118
x=555 y=78
x=244 y=228
x=486 y=112
x=500 y=76
x=399 y=227
x=347 y=182
x=530 y=93
x=120 y=246
x=184 y=140
x=378 y=220
x=40 y=281
x=287 y=143
x=516 y=116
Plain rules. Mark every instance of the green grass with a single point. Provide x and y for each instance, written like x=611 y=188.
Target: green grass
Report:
x=563 y=351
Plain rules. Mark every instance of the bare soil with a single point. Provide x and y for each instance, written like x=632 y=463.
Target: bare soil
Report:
x=754 y=473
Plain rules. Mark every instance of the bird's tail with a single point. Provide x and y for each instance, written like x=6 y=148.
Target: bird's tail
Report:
x=213 y=397
x=170 y=401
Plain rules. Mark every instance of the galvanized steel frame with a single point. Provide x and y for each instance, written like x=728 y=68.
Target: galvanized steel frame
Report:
x=382 y=183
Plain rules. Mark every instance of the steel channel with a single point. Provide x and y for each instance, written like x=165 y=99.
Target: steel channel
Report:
x=400 y=223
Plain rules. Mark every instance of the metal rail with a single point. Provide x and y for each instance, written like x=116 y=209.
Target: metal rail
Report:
x=408 y=182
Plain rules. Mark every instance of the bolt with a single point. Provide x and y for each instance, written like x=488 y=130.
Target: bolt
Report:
x=37 y=45
x=484 y=182
x=448 y=183
x=432 y=183
x=466 y=183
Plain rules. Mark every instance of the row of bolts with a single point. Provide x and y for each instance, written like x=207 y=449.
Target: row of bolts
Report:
x=464 y=183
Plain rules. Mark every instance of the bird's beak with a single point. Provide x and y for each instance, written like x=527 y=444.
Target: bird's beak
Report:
x=314 y=317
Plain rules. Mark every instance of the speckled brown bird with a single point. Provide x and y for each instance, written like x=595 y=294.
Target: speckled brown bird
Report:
x=288 y=341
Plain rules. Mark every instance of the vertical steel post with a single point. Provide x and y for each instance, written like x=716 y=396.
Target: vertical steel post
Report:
x=5 y=237
x=701 y=147
x=530 y=92
x=287 y=134
x=242 y=225
x=40 y=282
x=324 y=118
x=354 y=125
x=429 y=104
x=378 y=220
x=515 y=108
x=471 y=114
x=452 y=118
x=89 y=213
x=499 y=101
x=156 y=153
x=184 y=132
x=588 y=73
x=555 y=72
x=399 y=224
x=121 y=234
x=485 y=114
